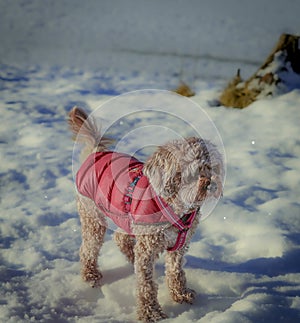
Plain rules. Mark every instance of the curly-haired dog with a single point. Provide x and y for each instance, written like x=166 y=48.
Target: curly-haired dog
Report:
x=157 y=204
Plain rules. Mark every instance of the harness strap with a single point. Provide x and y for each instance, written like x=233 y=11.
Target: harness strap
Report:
x=183 y=226
x=128 y=195
x=182 y=234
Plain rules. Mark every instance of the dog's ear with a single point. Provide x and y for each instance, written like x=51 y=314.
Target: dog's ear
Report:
x=162 y=171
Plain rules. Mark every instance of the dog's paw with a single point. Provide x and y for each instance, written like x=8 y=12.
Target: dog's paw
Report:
x=151 y=316
x=187 y=296
x=92 y=277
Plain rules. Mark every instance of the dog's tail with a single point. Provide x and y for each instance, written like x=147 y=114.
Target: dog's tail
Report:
x=85 y=129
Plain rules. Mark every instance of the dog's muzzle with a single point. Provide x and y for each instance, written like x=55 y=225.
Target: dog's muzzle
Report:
x=215 y=189
x=212 y=187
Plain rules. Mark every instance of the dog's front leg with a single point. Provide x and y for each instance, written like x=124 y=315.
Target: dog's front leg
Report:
x=176 y=279
x=145 y=253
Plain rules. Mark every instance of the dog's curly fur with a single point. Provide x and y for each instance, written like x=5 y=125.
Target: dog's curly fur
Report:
x=184 y=173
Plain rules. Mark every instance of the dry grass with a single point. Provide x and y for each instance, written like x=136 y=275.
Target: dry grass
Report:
x=184 y=90
x=240 y=94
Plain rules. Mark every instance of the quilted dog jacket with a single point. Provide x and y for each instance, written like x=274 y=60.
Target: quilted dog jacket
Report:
x=115 y=182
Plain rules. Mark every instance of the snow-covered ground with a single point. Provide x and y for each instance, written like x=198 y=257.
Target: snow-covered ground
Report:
x=244 y=260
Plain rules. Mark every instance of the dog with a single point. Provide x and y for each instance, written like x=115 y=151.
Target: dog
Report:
x=156 y=205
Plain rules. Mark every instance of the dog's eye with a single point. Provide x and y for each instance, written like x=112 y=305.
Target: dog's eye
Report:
x=203 y=174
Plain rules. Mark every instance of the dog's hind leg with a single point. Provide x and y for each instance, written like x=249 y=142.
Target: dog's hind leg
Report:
x=93 y=232
x=126 y=244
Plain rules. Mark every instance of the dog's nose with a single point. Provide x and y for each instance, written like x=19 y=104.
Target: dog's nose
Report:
x=213 y=187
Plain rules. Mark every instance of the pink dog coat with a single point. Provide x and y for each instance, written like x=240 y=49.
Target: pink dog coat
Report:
x=115 y=182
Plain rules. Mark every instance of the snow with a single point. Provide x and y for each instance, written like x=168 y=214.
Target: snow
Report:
x=244 y=259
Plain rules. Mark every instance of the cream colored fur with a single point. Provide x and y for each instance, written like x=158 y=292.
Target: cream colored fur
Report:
x=183 y=172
